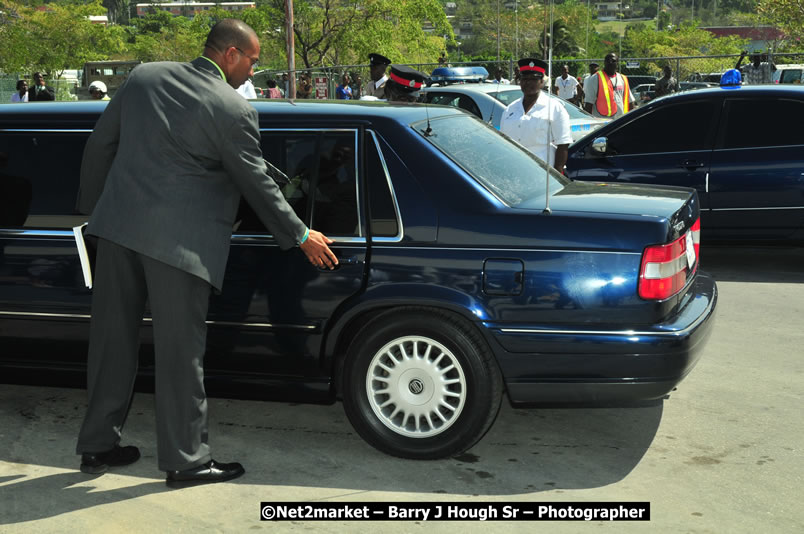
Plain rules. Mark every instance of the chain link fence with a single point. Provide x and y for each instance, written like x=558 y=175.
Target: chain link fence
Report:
x=324 y=80
x=65 y=90
x=689 y=68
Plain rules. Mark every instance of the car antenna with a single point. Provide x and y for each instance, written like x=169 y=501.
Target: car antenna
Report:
x=547 y=210
x=497 y=98
x=428 y=131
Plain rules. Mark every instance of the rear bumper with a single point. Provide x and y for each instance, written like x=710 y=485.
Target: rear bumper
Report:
x=586 y=365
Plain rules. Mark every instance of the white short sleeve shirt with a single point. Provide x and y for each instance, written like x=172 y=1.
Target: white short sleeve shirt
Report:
x=531 y=129
x=566 y=88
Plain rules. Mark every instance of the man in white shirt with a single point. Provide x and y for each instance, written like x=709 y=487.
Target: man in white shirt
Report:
x=498 y=77
x=566 y=86
x=375 y=87
x=247 y=90
x=539 y=124
x=22 y=92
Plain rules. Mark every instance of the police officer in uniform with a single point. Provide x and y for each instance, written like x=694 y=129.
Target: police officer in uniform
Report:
x=404 y=84
x=376 y=85
x=537 y=122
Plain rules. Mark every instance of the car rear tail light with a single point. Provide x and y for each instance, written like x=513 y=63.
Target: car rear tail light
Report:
x=666 y=268
x=696 y=238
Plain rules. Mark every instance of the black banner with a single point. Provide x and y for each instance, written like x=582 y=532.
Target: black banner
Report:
x=455 y=511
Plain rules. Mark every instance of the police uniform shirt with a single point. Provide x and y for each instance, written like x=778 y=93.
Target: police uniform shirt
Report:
x=590 y=86
x=377 y=89
x=530 y=129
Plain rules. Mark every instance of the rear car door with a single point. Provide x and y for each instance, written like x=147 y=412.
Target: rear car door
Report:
x=756 y=181
x=670 y=145
x=275 y=306
x=42 y=293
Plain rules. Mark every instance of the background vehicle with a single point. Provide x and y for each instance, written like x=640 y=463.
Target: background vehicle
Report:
x=636 y=80
x=788 y=74
x=690 y=86
x=451 y=75
x=747 y=165
x=644 y=92
x=455 y=285
x=489 y=100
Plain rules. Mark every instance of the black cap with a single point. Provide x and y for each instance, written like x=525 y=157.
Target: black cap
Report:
x=594 y=64
x=532 y=67
x=406 y=78
x=377 y=59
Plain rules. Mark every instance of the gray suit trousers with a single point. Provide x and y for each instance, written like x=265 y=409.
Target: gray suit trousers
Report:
x=179 y=303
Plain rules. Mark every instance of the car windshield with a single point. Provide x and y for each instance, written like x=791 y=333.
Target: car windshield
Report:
x=507 y=97
x=510 y=172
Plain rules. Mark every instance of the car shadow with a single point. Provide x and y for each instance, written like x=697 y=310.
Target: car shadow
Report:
x=312 y=448
x=754 y=264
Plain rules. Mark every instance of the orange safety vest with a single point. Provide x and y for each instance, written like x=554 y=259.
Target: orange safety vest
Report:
x=606 y=105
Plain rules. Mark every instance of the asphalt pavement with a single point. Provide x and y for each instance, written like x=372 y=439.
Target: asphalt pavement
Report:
x=722 y=454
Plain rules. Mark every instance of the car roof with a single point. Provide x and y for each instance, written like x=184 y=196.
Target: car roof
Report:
x=477 y=87
x=772 y=91
x=52 y=114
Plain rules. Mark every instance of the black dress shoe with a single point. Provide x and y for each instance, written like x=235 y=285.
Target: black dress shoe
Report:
x=207 y=473
x=98 y=462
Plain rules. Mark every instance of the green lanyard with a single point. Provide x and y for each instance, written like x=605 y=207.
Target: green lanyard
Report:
x=217 y=67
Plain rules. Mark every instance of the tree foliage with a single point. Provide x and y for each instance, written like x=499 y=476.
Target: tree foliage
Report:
x=788 y=15
x=333 y=32
x=57 y=38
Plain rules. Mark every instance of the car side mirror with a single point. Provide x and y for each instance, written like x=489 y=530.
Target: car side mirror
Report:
x=599 y=145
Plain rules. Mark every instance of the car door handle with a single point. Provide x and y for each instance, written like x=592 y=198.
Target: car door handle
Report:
x=691 y=164
x=342 y=260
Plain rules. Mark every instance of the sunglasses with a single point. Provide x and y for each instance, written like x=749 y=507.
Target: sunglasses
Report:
x=254 y=61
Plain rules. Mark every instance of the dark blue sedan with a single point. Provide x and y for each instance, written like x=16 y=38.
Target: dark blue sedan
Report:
x=741 y=149
x=468 y=272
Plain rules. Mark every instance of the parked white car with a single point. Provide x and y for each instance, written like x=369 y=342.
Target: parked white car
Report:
x=489 y=100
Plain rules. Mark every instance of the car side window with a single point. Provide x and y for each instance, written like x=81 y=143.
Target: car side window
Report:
x=763 y=123
x=381 y=201
x=39 y=177
x=672 y=128
x=445 y=99
x=469 y=105
x=322 y=186
x=456 y=101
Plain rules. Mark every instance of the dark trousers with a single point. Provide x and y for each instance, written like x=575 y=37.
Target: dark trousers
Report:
x=178 y=302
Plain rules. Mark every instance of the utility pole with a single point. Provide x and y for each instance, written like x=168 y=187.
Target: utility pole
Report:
x=291 y=49
x=658 y=10
x=516 y=34
x=498 y=32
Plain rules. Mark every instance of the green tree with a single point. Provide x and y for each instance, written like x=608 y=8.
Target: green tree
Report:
x=788 y=15
x=58 y=38
x=331 y=32
x=159 y=36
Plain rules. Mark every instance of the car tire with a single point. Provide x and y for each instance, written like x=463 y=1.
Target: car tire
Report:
x=421 y=384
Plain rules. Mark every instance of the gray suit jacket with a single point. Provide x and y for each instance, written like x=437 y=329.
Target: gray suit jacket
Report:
x=164 y=169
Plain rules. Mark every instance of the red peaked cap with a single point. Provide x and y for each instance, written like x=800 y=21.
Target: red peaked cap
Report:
x=532 y=66
x=407 y=79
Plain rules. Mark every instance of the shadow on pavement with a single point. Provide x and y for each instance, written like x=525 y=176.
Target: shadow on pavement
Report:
x=53 y=495
x=312 y=450
x=754 y=264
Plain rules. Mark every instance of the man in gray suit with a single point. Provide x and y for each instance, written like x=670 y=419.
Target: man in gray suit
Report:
x=162 y=176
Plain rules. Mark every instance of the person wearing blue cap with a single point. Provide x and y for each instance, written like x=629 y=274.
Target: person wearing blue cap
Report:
x=731 y=79
x=540 y=124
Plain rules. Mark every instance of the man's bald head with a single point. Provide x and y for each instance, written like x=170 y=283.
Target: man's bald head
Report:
x=228 y=33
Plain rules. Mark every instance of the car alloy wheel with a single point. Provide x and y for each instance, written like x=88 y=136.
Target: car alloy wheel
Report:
x=416 y=386
x=420 y=383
